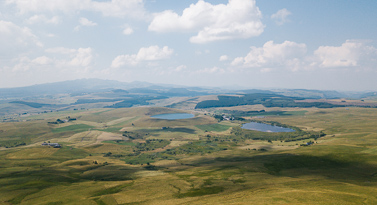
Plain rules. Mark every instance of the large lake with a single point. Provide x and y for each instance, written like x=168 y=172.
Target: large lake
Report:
x=174 y=116
x=265 y=127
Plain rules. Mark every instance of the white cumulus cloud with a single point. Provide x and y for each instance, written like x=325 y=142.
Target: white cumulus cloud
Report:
x=86 y=22
x=15 y=39
x=152 y=53
x=43 y=19
x=350 y=53
x=81 y=57
x=43 y=60
x=287 y=54
x=293 y=56
x=237 y=19
x=116 y=8
x=128 y=30
x=57 y=59
x=223 y=58
x=281 y=16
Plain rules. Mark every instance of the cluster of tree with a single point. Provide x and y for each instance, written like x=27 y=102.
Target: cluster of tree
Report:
x=132 y=135
x=107 y=154
x=198 y=147
x=223 y=140
x=59 y=121
x=12 y=143
x=267 y=100
x=218 y=117
x=145 y=158
x=240 y=113
x=151 y=145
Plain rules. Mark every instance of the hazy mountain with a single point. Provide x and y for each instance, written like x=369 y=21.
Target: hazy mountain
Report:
x=315 y=94
x=73 y=86
x=82 y=86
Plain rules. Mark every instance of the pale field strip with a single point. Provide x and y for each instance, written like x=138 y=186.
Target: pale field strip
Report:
x=87 y=138
x=118 y=121
x=34 y=153
x=177 y=143
x=268 y=147
x=207 y=97
x=169 y=101
x=106 y=136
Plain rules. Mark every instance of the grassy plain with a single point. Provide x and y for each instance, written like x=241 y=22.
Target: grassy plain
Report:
x=182 y=165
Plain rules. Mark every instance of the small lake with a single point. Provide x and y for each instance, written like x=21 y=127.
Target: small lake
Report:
x=265 y=127
x=174 y=116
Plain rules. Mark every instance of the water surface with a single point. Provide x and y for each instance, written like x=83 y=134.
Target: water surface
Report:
x=265 y=127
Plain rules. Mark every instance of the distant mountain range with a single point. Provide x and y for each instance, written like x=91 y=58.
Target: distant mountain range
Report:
x=97 y=85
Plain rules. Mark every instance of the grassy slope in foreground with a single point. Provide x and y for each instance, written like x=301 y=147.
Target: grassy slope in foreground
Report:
x=339 y=169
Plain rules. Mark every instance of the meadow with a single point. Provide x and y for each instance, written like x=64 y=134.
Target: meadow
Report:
x=123 y=156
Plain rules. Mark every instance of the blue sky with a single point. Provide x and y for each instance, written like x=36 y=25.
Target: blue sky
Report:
x=327 y=45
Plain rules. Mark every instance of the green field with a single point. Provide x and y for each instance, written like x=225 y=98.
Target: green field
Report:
x=122 y=156
x=214 y=127
x=73 y=128
x=120 y=142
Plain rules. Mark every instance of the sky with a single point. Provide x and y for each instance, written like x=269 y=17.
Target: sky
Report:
x=322 y=44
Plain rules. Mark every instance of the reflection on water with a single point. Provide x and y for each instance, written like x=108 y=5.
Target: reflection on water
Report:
x=265 y=127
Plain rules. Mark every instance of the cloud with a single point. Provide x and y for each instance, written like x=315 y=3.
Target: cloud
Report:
x=281 y=16
x=152 y=53
x=237 y=19
x=43 y=19
x=56 y=60
x=265 y=70
x=115 y=8
x=85 y=22
x=237 y=61
x=128 y=30
x=293 y=56
x=43 y=60
x=61 y=50
x=50 y=35
x=180 y=68
x=213 y=70
x=349 y=54
x=120 y=8
x=223 y=58
x=81 y=57
x=15 y=39
x=287 y=54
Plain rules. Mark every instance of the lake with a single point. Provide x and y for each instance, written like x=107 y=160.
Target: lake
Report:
x=265 y=127
x=174 y=116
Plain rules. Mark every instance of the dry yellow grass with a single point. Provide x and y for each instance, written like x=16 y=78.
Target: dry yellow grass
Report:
x=104 y=136
x=32 y=153
x=267 y=147
x=175 y=143
x=243 y=176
